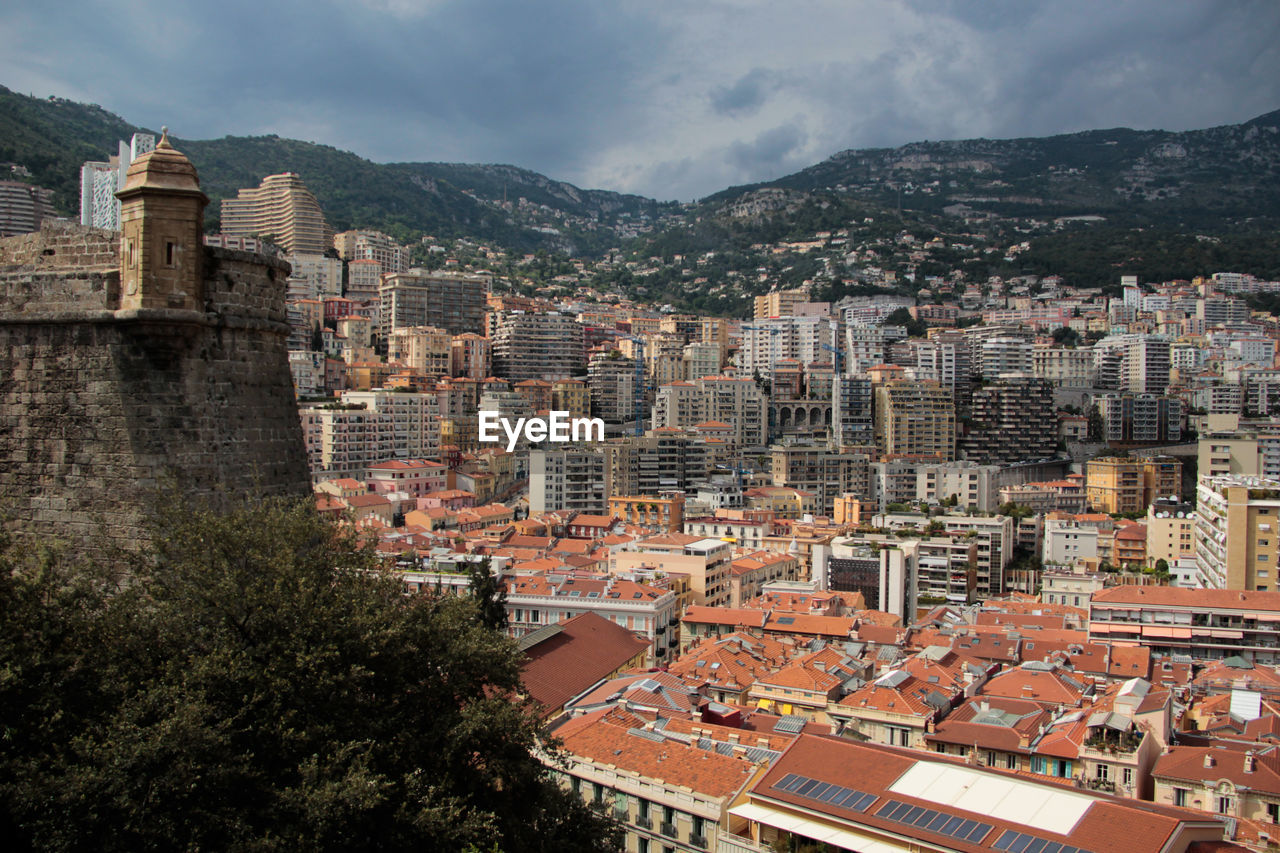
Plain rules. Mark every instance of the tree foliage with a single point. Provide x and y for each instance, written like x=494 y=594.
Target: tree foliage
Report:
x=255 y=681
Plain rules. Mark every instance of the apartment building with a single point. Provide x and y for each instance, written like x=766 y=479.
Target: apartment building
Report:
x=661 y=460
x=806 y=340
x=362 y=245
x=1171 y=527
x=704 y=561
x=282 y=209
x=567 y=478
x=537 y=346
x=470 y=356
x=916 y=419
x=816 y=469
x=1207 y=624
x=668 y=793
x=1065 y=367
x=737 y=402
x=343 y=440
x=450 y=301
x=424 y=349
x=973 y=486
x=1119 y=485
x=1237 y=533
x=535 y=601
x=1012 y=419
x=1140 y=418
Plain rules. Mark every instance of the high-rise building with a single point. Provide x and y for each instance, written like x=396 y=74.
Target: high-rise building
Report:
x=1011 y=420
x=537 y=346
x=1237 y=535
x=915 y=419
x=283 y=209
x=767 y=342
x=23 y=207
x=372 y=246
x=448 y=301
x=737 y=402
x=100 y=181
x=611 y=378
x=779 y=303
x=1139 y=418
x=568 y=478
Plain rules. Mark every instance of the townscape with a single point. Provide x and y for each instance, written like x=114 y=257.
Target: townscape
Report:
x=893 y=558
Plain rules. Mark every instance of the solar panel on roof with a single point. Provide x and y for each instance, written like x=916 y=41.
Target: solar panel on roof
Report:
x=1013 y=841
x=822 y=792
x=932 y=820
x=786 y=620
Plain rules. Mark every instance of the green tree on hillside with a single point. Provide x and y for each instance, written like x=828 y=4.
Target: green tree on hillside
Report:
x=256 y=681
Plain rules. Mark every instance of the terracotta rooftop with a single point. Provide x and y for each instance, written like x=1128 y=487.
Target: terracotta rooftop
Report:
x=1172 y=596
x=1103 y=825
x=585 y=649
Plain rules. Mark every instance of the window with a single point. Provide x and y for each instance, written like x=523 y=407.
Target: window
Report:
x=1181 y=796
x=1273 y=812
x=1104 y=771
x=1126 y=776
x=1226 y=805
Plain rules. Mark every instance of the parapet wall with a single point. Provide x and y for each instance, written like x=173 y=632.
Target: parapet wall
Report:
x=100 y=407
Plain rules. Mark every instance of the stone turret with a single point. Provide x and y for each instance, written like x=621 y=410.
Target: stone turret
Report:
x=138 y=359
x=162 y=225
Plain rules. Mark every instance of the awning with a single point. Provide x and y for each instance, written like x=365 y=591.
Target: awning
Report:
x=780 y=819
x=1226 y=635
x=1153 y=631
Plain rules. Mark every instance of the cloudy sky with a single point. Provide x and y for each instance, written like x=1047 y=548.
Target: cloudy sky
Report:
x=670 y=98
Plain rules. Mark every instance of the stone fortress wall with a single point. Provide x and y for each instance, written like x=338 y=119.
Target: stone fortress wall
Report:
x=101 y=406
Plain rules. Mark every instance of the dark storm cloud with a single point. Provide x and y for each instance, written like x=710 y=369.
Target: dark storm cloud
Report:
x=669 y=99
x=746 y=95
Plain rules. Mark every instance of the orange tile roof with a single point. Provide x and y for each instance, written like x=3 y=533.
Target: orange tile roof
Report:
x=587 y=648
x=669 y=762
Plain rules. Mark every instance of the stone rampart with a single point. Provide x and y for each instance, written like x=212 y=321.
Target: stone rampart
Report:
x=100 y=407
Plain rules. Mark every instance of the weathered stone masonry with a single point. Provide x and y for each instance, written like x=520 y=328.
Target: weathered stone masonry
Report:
x=100 y=405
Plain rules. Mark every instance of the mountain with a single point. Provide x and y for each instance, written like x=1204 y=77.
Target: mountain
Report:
x=52 y=137
x=1214 y=179
x=1221 y=180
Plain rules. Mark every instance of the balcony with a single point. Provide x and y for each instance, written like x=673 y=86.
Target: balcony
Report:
x=668 y=829
x=644 y=822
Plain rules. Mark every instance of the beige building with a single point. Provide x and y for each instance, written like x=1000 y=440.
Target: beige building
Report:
x=471 y=356
x=449 y=301
x=779 y=303
x=572 y=396
x=1228 y=454
x=1235 y=780
x=1171 y=529
x=282 y=209
x=421 y=348
x=704 y=561
x=916 y=419
x=1115 y=484
x=1237 y=536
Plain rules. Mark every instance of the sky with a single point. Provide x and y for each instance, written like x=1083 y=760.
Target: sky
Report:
x=672 y=99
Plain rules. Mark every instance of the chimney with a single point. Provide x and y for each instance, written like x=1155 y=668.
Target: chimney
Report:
x=1209 y=760
x=1250 y=762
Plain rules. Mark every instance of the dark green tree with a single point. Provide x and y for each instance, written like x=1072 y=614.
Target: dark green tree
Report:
x=317 y=339
x=256 y=681
x=490 y=595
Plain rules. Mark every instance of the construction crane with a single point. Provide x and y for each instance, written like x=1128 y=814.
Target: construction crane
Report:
x=839 y=354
